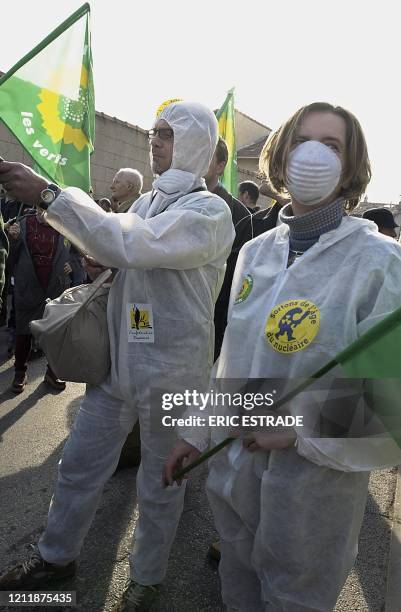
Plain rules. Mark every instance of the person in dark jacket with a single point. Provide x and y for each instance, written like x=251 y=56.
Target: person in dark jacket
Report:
x=240 y=214
x=3 y=255
x=9 y=209
x=246 y=225
x=384 y=219
x=41 y=270
x=248 y=194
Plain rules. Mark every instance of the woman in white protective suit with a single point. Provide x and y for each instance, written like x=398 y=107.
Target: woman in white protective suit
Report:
x=170 y=250
x=289 y=507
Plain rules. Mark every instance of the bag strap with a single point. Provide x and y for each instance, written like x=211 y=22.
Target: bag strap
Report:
x=96 y=285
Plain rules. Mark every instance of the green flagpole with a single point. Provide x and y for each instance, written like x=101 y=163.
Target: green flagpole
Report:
x=85 y=8
x=366 y=340
x=286 y=398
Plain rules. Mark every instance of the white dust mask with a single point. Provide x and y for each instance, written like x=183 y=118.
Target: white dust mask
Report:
x=313 y=172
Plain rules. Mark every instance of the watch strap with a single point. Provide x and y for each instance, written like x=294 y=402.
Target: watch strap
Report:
x=56 y=189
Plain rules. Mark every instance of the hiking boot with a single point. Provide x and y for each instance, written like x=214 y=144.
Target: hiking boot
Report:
x=137 y=598
x=19 y=382
x=35 y=573
x=52 y=381
x=214 y=554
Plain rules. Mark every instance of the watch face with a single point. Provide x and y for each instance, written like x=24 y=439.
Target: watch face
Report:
x=48 y=196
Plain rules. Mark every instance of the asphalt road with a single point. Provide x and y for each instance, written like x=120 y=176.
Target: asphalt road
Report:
x=33 y=428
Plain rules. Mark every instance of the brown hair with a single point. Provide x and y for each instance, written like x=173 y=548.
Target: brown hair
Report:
x=221 y=150
x=356 y=174
x=250 y=188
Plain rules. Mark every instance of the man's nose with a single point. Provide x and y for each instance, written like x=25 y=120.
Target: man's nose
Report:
x=156 y=142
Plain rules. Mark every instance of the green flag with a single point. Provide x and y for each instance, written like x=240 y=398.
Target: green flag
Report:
x=375 y=357
x=376 y=354
x=47 y=101
x=226 y=118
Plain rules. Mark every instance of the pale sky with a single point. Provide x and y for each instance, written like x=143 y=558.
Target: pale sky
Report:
x=278 y=56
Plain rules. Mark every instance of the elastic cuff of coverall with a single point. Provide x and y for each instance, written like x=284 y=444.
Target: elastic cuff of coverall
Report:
x=52 y=559
x=146 y=582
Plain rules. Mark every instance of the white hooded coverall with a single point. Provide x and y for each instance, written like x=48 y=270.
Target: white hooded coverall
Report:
x=289 y=520
x=170 y=249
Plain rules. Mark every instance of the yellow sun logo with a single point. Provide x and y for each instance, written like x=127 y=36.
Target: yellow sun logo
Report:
x=62 y=117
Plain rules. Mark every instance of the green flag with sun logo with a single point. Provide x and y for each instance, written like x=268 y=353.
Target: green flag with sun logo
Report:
x=226 y=119
x=47 y=101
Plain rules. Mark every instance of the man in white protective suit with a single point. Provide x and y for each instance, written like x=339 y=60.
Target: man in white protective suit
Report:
x=170 y=250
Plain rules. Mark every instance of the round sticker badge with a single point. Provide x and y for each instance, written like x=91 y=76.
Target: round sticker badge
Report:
x=292 y=326
x=245 y=290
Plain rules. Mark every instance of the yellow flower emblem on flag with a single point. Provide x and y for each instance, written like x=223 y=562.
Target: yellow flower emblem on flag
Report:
x=62 y=117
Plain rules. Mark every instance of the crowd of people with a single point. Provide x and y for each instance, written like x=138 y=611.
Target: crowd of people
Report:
x=230 y=292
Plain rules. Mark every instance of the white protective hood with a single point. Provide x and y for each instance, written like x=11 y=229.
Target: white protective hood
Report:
x=191 y=123
x=195 y=137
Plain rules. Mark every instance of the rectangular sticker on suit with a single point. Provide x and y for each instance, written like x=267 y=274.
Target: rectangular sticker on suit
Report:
x=140 y=323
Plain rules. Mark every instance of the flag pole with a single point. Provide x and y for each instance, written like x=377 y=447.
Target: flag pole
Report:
x=228 y=96
x=383 y=327
x=85 y=8
x=286 y=398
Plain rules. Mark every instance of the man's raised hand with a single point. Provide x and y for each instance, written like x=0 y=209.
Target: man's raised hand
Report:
x=21 y=182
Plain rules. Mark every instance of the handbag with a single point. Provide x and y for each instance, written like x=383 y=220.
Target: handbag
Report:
x=73 y=332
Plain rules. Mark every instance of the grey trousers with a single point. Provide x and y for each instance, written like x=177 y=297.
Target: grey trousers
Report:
x=89 y=458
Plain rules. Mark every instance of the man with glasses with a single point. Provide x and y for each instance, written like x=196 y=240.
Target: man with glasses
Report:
x=170 y=250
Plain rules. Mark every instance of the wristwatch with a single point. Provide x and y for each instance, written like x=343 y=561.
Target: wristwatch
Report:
x=48 y=195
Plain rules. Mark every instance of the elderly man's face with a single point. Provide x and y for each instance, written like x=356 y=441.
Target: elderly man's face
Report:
x=161 y=147
x=120 y=187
